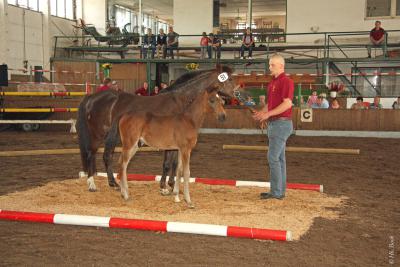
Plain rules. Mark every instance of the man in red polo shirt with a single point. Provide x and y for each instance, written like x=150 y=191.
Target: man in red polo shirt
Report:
x=278 y=113
x=377 y=38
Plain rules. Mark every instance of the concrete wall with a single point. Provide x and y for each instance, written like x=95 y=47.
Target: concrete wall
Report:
x=329 y=16
x=95 y=12
x=192 y=17
x=25 y=38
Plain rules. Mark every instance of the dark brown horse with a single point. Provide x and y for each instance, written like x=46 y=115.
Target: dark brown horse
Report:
x=94 y=120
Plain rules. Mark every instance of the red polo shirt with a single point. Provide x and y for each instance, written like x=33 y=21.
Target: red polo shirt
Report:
x=377 y=34
x=278 y=89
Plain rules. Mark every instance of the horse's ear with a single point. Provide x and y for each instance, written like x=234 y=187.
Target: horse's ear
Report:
x=219 y=68
x=227 y=69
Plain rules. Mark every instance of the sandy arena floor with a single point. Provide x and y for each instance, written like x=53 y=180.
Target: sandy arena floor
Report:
x=354 y=223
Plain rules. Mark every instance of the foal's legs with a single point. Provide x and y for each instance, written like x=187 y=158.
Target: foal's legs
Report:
x=169 y=167
x=109 y=147
x=127 y=154
x=174 y=166
x=166 y=170
x=178 y=178
x=186 y=174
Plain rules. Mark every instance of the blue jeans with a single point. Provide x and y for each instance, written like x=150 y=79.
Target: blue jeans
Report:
x=146 y=50
x=243 y=48
x=217 y=50
x=278 y=132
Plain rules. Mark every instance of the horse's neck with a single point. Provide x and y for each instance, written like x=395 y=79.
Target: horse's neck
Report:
x=196 y=109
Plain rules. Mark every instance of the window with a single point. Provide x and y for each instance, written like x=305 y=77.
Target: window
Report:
x=124 y=16
x=33 y=5
x=373 y=84
x=59 y=8
x=398 y=8
x=63 y=8
x=382 y=8
x=28 y=4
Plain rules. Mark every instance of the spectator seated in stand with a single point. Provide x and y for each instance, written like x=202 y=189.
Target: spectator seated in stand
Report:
x=149 y=44
x=360 y=104
x=335 y=104
x=172 y=41
x=161 y=44
x=377 y=38
x=396 y=104
x=312 y=99
x=322 y=103
x=156 y=91
x=163 y=85
x=106 y=85
x=249 y=102
x=143 y=91
x=247 y=43
x=377 y=103
x=214 y=45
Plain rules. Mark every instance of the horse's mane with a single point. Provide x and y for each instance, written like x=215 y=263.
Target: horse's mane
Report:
x=190 y=77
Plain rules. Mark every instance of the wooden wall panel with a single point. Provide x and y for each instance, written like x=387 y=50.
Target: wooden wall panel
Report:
x=329 y=120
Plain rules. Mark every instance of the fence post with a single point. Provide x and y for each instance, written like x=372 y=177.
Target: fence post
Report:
x=299 y=95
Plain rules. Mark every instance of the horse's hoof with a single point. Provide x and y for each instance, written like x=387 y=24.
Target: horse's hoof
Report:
x=91 y=184
x=113 y=184
x=176 y=199
x=165 y=192
x=190 y=205
x=125 y=195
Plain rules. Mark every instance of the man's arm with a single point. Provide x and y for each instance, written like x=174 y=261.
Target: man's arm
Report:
x=264 y=114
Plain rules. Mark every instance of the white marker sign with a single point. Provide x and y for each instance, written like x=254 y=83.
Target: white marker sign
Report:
x=223 y=77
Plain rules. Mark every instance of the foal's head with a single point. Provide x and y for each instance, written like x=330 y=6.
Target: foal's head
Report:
x=216 y=104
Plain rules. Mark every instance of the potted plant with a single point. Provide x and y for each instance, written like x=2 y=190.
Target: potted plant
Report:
x=335 y=88
x=106 y=69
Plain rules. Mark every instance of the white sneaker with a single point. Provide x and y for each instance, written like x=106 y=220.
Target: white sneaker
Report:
x=249 y=58
x=241 y=57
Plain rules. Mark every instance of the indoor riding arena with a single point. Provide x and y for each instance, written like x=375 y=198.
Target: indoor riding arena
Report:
x=199 y=133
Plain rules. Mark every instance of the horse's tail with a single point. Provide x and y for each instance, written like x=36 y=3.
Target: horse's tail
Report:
x=83 y=134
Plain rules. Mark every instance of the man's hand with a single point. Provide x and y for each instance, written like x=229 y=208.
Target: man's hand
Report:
x=261 y=116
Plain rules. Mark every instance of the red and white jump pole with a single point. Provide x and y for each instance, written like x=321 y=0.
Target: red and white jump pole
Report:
x=212 y=181
x=148 y=225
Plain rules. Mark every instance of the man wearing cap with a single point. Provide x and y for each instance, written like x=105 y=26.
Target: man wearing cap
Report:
x=278 y=113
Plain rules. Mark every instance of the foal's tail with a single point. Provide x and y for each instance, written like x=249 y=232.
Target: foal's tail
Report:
x=83 y=134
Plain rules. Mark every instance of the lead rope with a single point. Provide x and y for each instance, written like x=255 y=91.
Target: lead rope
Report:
x=263 y=125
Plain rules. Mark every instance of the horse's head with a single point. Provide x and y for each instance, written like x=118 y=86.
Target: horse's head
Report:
x=223 y=81
x=216 y=104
